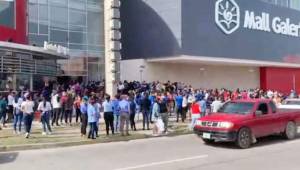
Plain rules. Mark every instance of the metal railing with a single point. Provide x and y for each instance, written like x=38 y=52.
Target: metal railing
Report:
x=14 y=64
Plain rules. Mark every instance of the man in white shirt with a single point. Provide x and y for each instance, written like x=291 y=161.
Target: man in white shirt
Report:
x=55 y=101
x=216 y=105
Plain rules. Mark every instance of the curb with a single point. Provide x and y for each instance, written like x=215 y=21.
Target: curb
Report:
x=84 y=142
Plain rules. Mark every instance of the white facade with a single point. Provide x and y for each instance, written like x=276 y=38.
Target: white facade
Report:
x=195 y=74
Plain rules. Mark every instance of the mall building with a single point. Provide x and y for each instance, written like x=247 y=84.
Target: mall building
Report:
x=213 y=43
x=41 y=40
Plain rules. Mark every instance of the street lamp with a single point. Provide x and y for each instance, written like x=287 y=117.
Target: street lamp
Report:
x=142 y=67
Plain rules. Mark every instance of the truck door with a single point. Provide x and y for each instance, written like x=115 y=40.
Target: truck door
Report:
x=262 y=122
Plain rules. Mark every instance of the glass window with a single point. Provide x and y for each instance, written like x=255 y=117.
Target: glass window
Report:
x=77 y=37
x=33 y=11
x=38 y=40
x=33 y=27
x=77 y=18
x=77 y=28
x=295 y=4
x=77 y=47
x=59 y=17
x=43 y=28
x=43 y=12
x=78 y=4
x=59 y=36
x=7 y=13
x=284 y=3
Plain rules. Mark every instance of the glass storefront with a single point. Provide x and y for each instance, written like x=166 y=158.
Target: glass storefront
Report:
x=294 y=4
x=76 y=24
x=7 y=13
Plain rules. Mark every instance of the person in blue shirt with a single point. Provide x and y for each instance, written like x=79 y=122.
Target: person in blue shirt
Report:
x=92 y=118
x=152 y=100
x=179 y=100
x=202 y=104
x=115 y=104
x=84 y=116
x=132 y=113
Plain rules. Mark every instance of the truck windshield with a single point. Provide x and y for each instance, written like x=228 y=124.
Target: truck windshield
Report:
x=242 y=108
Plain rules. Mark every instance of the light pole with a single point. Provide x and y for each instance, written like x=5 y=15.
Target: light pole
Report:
x=142 y=67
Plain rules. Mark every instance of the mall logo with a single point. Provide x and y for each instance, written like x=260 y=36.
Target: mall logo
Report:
x=227 y=15
x=228 y=19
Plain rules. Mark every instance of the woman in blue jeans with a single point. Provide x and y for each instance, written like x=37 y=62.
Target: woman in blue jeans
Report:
x=45 y=109
x=18 y=114
x=27 y=109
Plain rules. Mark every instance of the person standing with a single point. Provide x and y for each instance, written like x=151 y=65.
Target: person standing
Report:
x=63 y=101
x=45 y=109
x=179 y=100
x=10 y=101
x=124 y=108
x=132 y=113
x=184 y=107
x=18 y=115
x=69 y=109
x=27 y=109
x=202 y=104
x=146 y=106
x=92 y=118
x=108 y=115
x=77 y=103
x=156 y=115
x=84 y=116
x=97 y=106
x=163 y=109
x=116 y=111
x=196 y=113
x=3 y=106
x=216 y=105
x=55 y=101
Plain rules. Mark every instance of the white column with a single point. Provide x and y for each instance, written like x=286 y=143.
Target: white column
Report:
x=112 y=25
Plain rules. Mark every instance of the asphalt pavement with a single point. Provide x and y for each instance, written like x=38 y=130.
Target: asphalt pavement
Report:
x=186 y=152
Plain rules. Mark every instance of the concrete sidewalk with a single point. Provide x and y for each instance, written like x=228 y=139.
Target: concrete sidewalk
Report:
x=70 y=136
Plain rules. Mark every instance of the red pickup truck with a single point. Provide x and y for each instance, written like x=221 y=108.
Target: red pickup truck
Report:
x=243 y=121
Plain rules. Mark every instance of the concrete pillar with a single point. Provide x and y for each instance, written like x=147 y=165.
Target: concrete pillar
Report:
x=31 y=82
x=112 y=25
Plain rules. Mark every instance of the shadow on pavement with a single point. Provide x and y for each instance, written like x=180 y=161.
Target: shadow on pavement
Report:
x=8 y=157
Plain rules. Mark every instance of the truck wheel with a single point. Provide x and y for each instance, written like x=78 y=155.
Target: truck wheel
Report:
x=244 y=138
x=290 y=131
x=208 y=141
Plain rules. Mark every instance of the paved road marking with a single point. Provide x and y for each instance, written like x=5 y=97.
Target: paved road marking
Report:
x=164 y=162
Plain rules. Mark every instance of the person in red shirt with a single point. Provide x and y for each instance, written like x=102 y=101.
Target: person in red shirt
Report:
x=195 y=110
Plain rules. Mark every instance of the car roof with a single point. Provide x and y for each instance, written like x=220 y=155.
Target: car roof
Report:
x=292 y=99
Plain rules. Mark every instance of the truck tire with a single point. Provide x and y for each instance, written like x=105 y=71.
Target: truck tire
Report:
x=244 y=138
x=290 y=131
x=208 y=141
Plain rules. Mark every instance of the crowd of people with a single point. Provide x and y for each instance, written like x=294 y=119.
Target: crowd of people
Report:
x=156 y=101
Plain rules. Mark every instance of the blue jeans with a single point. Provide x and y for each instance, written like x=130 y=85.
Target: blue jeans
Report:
x=92 y=133
x=117 y=122
x=3 y=117
x=28 y=122
x=18 y=118
x=45 y=118
x=145 y=119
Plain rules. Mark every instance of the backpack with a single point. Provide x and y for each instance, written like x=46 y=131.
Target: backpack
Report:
x=163 y=107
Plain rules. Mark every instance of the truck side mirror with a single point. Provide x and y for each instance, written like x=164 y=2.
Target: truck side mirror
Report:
x=258 y=113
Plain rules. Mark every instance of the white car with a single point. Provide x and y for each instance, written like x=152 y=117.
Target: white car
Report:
x=290 y=104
